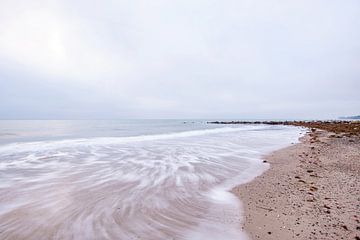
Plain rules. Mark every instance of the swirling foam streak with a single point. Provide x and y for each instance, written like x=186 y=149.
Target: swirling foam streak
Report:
x=170 y=186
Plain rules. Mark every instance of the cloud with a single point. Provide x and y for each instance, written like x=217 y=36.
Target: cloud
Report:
x=182 y=58
x=42 y=39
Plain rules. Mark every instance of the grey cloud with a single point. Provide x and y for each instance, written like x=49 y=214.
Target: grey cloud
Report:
x=181 y=59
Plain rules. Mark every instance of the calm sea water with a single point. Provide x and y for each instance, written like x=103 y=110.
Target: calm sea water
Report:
x=133 y=179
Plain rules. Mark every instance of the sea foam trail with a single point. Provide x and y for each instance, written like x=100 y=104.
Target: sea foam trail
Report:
x=166 y=186
x=117 y=140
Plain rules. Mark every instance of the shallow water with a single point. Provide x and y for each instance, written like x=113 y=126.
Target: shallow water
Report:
x=171 y=185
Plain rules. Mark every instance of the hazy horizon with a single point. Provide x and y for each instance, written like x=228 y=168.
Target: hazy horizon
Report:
x=180 y=119
x=179 y=60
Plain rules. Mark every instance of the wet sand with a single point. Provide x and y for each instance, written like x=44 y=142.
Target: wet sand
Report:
x=311 y=191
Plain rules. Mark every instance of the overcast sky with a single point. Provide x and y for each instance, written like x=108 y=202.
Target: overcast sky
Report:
x=179 y=59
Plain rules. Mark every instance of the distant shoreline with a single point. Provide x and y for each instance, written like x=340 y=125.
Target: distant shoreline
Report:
x=348 y=128
x=311 y=190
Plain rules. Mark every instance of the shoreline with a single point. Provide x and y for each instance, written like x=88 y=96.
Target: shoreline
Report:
x=343 y=127
x=310 y=191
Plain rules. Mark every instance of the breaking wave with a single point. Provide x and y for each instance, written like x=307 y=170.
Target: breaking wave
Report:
x=165 y=186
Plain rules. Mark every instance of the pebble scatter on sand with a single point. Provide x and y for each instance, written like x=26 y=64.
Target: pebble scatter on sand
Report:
x=311 y=191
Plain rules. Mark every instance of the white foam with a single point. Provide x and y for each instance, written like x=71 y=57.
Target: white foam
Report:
x=150 y=187
x=46 y=145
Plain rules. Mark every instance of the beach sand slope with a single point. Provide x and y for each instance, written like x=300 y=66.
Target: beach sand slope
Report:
x=311 y=191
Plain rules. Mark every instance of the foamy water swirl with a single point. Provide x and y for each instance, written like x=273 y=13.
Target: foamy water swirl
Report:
x=170 y=186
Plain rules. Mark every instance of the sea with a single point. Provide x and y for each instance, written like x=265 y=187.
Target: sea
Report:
x=129 y=179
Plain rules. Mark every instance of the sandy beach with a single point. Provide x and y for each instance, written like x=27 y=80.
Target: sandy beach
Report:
x=311 y=191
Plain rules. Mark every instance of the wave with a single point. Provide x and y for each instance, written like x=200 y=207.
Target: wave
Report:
x=163 y=186
x=26 y=146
